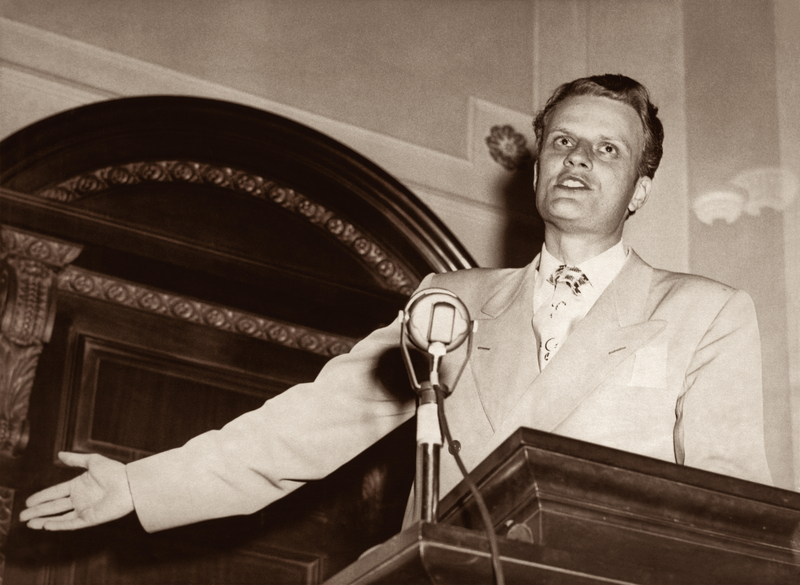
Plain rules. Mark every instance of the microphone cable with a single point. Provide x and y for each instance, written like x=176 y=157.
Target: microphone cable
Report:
x=494 y=550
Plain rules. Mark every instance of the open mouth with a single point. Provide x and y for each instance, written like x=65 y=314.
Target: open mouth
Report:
x=572 y=183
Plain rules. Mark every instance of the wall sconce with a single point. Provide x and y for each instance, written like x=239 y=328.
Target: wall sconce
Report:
x=748 y=192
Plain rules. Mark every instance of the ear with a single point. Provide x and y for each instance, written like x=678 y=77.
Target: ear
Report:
x=640 y=193
x=535 y=173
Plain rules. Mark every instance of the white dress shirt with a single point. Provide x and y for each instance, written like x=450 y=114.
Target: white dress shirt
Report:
x=600 y=271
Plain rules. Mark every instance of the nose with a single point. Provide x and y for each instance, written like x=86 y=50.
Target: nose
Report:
x=579 y=156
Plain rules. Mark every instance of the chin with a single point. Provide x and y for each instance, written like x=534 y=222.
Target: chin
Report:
x=566 y=208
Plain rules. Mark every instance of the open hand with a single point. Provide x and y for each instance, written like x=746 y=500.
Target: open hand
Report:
x=97 y=496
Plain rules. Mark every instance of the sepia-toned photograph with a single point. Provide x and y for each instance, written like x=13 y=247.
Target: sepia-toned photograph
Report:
x=387 y=292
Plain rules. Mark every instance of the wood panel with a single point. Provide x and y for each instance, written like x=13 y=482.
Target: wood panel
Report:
x=131 y=395
x=570 y=512
x=195 y=258
x=633 y=518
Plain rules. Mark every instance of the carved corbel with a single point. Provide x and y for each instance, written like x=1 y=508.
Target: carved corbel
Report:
x=28 y=267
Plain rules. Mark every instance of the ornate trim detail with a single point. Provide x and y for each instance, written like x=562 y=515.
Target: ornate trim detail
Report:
x=6 y=505
x=33 y=247
x=386 y=270
x=27 y=311
x=17 y=371
x=26 y=278
x=135 y=296
x=508 y=147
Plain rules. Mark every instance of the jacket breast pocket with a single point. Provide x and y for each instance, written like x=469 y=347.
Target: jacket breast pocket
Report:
x=645 y=368
x=650 y=366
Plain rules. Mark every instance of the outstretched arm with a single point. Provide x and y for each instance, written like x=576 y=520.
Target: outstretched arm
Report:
x=99 y=495
x=300 y=435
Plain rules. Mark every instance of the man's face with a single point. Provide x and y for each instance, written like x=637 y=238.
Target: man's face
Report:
x=587 y=178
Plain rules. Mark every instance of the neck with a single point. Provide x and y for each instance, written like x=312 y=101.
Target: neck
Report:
x=573 y=250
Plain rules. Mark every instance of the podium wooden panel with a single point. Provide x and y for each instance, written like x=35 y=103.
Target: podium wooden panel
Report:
x=571 y=512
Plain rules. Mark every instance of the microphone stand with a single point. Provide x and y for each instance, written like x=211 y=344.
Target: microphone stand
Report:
x=429 y=432
x=429 y=446
x=437 y=334
x=429 y=437
x=429 y=440
x=436 y=321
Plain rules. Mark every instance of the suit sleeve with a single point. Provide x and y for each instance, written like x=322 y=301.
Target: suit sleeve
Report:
x=300 y=435
x=720 y=423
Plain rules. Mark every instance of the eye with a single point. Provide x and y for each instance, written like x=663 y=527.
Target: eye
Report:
x=608 y=149
x=562 y=141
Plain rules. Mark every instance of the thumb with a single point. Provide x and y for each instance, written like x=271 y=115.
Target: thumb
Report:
x=74 y=459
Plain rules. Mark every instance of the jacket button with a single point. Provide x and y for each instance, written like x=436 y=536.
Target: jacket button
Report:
x=454 y=447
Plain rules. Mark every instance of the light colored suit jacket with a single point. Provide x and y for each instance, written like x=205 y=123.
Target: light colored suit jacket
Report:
x=665 y=365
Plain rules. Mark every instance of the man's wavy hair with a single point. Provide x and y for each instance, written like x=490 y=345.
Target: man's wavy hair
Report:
x=622 y=89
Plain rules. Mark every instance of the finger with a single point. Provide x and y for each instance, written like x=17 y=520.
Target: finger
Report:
x=75 y=459
x=47 y=509
x=52 y=523
x=69 y=521
x=38 y=523
x=54 y=492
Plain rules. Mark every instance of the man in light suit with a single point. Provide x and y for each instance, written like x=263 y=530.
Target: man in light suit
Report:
x=653 y=362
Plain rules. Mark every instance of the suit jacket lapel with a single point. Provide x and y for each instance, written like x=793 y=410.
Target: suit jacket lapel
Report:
x=614 y=328
x=504 y=347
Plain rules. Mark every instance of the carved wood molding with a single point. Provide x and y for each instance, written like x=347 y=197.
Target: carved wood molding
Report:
x=17 y=371
x=386 y=270
x=27 y=276
x=6 y=505
x=55 y=253
x=142 y=298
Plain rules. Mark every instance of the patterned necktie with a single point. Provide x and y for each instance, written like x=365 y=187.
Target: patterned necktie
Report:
x=555 y=319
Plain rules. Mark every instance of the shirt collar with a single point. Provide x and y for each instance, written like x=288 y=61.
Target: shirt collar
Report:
x=600 y=270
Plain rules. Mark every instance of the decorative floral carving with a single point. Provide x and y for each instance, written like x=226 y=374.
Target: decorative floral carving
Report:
x=25 y=316
x=101 y=287
x=386 y=270
x=17 y=370
x=26 y=245
x=26 y=312
x=6 y=505
x=507 y=147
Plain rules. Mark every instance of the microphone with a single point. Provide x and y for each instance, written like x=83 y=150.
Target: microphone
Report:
x=437 y=322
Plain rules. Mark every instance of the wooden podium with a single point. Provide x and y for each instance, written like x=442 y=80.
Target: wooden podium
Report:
x=571 y=512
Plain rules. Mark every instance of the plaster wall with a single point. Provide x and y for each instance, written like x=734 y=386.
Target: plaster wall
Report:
x=735 y=150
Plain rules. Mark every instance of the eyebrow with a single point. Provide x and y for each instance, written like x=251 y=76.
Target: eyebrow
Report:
x=557 y=129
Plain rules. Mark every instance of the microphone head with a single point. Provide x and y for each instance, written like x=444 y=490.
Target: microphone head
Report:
x=436 y=315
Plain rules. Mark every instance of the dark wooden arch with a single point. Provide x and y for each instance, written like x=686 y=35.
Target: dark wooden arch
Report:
x=167 y=263
x=117 y=157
